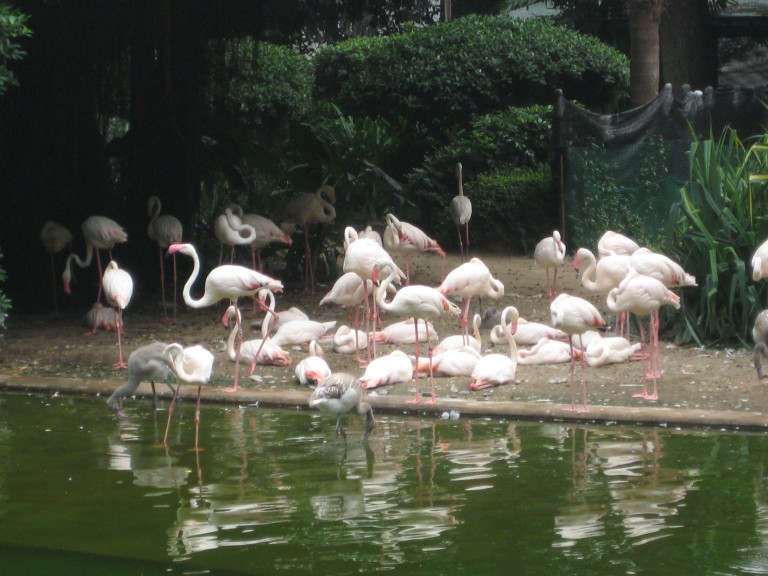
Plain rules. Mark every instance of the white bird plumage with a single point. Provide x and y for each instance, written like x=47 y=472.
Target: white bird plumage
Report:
x=338 y=394
x=118 y=289
x=312 y=369
x=550 y=254
x=498 y=369
x=393 y=368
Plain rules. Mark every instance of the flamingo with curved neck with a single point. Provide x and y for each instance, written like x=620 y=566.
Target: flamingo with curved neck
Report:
x=497 y=369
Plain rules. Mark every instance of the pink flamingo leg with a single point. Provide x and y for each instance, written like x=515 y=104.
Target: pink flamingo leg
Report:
x=255 y=360
x=571 y=379
x=466 y=232
x=431 y=371
x=197 y=418
x=464 y=321
x=238 y=342
x=174 y=288
x=584 y=407
x=416 y=374
x=120 y=364
x=309 y=274
x=461 y=244
x=170 y=414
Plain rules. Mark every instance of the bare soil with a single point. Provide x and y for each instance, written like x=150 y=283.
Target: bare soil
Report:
x=49 y=345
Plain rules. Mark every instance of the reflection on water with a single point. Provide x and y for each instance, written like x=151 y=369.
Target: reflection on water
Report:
x=473 y=496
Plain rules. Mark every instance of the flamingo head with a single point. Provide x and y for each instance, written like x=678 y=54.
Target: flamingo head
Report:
x=481 y=385
x=183 y=248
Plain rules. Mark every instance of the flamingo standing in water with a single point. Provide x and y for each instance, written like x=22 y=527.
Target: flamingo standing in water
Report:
x=575 y=316
x=267 y=232
x=118 y=289
x=341 y=393
x=144 y=363
x=420 y=302
x=55 y=238
x=461 y=211
x=226 y=282
x=470 y=279
x=405 y=238
x=165 y=230
x=304 y=210
x=643 y=296
x=498 y=369
x=230 y=231
x=193 y=364
x=100 y=233
x=550 y=254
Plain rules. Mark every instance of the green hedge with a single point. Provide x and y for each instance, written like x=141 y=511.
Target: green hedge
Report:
x=443 y=75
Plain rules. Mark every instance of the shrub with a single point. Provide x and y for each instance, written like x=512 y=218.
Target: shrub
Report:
x=5 y=302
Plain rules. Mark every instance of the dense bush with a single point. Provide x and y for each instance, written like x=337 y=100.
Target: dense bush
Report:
x=443 y=75
x=510 y=210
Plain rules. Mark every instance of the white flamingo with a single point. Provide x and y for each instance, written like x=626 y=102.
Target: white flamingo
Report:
x=451 y=363
x=760 y=262
x=230 y=231
x=528 y=333
x=406 y=239
x=262 y=351
x=118 y=289
x=405 y=332
x=604 y=350
x=194 y=365
x=226 y=282
x=393 y=368
x=313 y=369
x=612 y=243
x=498 y=369
x=550 y=255
x=349 y=340
x=456 y=341
x=461 y=211
x=547 y=351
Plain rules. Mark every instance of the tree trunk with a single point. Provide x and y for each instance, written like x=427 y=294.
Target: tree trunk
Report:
x=644 y=50
x=689 y=52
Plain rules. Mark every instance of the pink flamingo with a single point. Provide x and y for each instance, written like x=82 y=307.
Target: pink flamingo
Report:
x=359 y=257
x=550 y=254
x=643 y=296
x=194 y=365
x=604 y=350
x=55 y=238
x=456 y=341
x=470 y=279
x=267 y=232
x=100 y=233
x=498 y=369
x=313 y=369
x=392 y=368
x=350 y=290
x=304 y=210
x=261 y=351
x=612 y=243
x=461 y=211
x=451 y=363
x=547 y=351
x=603 y=275
x=661 y=267
x=575 y=316
x=226 y=282
x=405 y=332
x=417 y=301
x=118 y=289
x=528 y=333
x=405 y=238
x=760 y=262
x=230 y=231
x=165 y=230
x=349 y=340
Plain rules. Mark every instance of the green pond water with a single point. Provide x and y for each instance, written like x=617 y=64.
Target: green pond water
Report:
x=272 y=491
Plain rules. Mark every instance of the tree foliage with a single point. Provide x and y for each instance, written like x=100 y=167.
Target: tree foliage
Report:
x=12 y=29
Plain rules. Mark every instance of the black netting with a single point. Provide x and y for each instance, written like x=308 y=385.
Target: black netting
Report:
x=624 y=171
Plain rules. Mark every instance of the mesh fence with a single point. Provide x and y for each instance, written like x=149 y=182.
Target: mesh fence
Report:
x=624 y=171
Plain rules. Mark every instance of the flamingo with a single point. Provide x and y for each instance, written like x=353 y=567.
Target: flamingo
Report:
x=226 y=282
x=547 y=351
x=263 y=350
x=100 y=233
x=456 y=341
x=470 y=279
x=455 y=362
x=393 y=368
x=301 y=332
x=313 y=369
x=405 y=332
x=359 y=257
x=760 y=336
x=405 y=238
x=165 y=230
x=760 y=262
x=230 y=231
x=284 y=316
x=643 y=296
x=550 y=254
x=661 y=267
x=267 y=232
x=602 y=275
x=498 y=369
x=193 y=364
x=575 y=316
x=461 y=211
x=420 y=302
x=304 y=210
x=528 y=333
x=55 y=238
x=351 y=290
x=144 y=363
x=100 y=317
x=612 y=243
x=341 y=393
x=348 y=340
x=604 y=350
x=118 y=289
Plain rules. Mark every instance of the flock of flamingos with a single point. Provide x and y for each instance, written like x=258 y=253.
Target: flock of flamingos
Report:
x=635 y=281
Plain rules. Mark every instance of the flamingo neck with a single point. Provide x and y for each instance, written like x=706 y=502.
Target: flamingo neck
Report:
x=191 y=302
x=589 y=277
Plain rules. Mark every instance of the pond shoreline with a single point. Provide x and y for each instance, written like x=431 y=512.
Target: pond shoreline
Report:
x=393 y=403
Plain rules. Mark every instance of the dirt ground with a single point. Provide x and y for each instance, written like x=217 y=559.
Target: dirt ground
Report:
x=50 y=345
